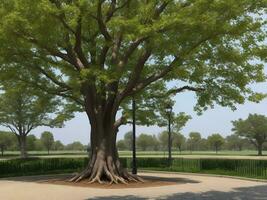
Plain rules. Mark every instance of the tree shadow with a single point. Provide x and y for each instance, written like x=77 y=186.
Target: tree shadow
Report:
x=243 y=193
x=176 y=180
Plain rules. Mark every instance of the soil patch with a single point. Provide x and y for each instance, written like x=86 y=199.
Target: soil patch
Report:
x=150 y=181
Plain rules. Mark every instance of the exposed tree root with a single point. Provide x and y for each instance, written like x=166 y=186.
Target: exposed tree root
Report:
x=106 y=171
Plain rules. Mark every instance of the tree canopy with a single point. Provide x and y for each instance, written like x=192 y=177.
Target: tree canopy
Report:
x=253 y=128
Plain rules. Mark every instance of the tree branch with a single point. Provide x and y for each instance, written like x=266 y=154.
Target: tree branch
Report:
x=101 y=24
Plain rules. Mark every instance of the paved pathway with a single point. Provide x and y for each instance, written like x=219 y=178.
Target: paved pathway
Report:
x=189 y=187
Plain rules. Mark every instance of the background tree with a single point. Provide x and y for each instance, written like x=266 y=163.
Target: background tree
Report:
x=216 y=141
x=234 y=142
x=178 y=141
x=254 y=128
x=121 y=145
x=23 y=109
x=39 y=145
x=58 y=146
x=5 y=141
x=31 y=140
x=75 y=146
x=203 y=145
x=163 y=140
x=98 y=54
x=47 y=139
x=128 y=139
x=145 y=142
x=193 y=140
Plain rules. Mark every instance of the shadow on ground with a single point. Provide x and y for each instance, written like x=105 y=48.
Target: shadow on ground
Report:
x=248 y=193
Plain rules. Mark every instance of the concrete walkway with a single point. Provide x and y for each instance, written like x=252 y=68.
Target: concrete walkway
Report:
x=188 y=187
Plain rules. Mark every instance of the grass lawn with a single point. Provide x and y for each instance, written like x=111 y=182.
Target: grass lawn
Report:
x=159 y=154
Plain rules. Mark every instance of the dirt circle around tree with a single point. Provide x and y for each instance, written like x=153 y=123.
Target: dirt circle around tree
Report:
x=149 y=181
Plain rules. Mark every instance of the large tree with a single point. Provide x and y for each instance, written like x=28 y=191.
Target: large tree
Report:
x=98 y=54
x=23 y=109
x=254 y=128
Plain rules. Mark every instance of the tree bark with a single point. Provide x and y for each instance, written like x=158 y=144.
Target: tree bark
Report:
x=259 y=149
x=2 y=151
x=104 y=165
x=22 y=146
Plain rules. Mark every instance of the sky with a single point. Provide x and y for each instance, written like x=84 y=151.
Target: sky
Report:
x=216 y=120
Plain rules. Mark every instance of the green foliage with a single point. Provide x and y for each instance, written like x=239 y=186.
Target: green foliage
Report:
x=178 y=141
x=253 y=128
x=31 y=140
x=57 y=146
x=128 y=139
x=40 y=166
x=23 y=109
x=146 y=142
x=47 y=139
x=235 y=142
x=5 y=141
x=121 y=145
x=114 y=50
x=77 y=146
x=163 y=139
x=193 y=140
x=216 y=141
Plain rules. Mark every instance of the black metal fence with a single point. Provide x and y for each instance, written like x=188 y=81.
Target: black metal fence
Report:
x=233 y=167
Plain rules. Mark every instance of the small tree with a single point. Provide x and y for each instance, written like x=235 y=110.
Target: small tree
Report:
x=193 y=140
x=128 y=139
x=47 y=139
x=216 y=141
x=253 y=128
x=23 y=109
x=5 y=141
x=163 y=140
x=31 y=140
x=75 y=146
x=121 y=145
x=178 y=141
x=58 y=145
x=234 y=142
x=145 y=142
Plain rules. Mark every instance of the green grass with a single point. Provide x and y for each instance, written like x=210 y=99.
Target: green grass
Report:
x=145 y=154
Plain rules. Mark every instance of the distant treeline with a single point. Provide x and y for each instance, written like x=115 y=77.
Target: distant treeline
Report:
x=9 y=142
x=195 y=142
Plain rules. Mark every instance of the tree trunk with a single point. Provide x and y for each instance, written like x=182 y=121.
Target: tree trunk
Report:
x=104 y=164
x=2 y=151
x=259 y=149
x=22 y=146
